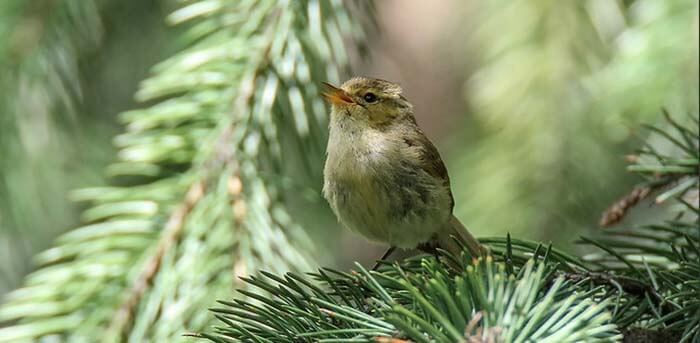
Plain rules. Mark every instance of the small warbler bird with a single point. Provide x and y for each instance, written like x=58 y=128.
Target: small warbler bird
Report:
x=383 y=178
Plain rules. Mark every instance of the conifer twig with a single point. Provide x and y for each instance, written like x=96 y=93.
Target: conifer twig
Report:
x=169 y=236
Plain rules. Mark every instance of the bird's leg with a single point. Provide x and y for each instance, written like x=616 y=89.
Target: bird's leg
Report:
x=429 y=247
x=384 y=257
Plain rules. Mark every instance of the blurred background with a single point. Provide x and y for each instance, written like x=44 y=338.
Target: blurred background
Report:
x=533 y=105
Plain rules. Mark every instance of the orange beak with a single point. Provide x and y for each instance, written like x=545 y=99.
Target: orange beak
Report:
x=336 y=96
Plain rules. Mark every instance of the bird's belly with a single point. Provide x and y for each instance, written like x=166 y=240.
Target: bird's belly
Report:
x=402 y=209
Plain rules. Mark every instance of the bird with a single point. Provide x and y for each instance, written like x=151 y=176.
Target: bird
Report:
x=383 y=178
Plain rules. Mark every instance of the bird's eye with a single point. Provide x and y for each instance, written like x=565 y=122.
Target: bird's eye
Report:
x=370 y=97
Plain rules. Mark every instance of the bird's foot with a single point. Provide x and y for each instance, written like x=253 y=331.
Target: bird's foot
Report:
x=386 y=255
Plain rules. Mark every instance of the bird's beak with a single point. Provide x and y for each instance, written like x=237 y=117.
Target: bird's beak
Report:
x=336 y=96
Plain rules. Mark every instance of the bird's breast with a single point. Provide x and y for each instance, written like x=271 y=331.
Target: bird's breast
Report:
x=376 y=190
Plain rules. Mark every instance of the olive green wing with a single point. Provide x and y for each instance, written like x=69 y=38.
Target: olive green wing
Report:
x=430 y=161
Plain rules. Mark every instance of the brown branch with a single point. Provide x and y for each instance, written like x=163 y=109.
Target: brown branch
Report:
x=170 y=234
x=639 y=335
x=239 y=210
x=380 y=339
x=619 y=209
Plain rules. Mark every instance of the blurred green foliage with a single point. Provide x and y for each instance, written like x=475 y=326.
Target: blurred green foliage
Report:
x=66 y=69
x=558 y=88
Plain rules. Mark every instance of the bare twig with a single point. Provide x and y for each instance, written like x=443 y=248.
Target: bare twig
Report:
x=619 y=209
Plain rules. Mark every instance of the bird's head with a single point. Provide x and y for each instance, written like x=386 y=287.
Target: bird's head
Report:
x=373 y=101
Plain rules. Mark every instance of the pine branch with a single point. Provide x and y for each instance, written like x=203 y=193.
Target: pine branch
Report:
x=661 y=260
x=198 y=210
x=417 y=300
x=171 y=233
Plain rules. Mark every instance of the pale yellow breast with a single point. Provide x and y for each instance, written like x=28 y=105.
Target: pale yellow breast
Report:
x=372 y=191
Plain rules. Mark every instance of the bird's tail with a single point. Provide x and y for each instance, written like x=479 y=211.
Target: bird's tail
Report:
x=457 y=230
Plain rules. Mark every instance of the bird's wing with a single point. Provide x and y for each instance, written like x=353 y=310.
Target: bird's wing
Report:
x=431 y=162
